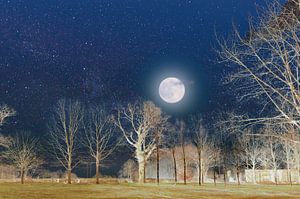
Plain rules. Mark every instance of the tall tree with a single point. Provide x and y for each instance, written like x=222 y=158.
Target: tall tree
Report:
x=64 y=133
x=181 y=127
x=216 y=158
x=225 y=127
x=200 y=139
x=138 y=122
x=171 y=141
x=158 y=136
x=237 y=156
x=99 y=137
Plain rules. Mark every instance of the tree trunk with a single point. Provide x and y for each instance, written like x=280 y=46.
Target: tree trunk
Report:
x=97 y=171
x=291 y=182
x=141 y=172
x=70 y=169
x=183 y=151
x=275 y=170
x=199 y=168
x=199 y=173
x=238 y=174
x=141 y=165
x=253 y=174
x=275 y=175
x=22 y=176
x=175 y=166
x=157 y=167
x=87 y=170
x=144 y=180
x=225 y=173
x=298 y=168
x=215 y=173
x=184 y=169
x=289 y=170
x=202 y=176
x=289 y=175
x=69 y=176
x=157 y=160
x=274 y=163
x=219 y=169
x=184 y=164
x=288 y=153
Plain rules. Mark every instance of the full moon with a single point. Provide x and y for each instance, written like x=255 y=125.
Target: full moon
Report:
x=171 y=90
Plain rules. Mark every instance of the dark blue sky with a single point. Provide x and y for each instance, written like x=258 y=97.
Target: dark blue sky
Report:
x=111 y=51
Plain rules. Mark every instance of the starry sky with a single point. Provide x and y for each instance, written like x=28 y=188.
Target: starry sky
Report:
x=112 y=51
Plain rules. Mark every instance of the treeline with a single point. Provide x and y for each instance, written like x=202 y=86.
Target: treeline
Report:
x=77 y=133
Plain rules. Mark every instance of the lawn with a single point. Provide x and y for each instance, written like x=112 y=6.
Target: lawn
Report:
x=124 y=190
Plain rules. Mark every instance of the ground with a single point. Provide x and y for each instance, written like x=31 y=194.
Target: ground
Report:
x=124 y=190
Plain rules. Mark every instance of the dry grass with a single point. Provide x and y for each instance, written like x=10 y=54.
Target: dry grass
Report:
x=76 y=191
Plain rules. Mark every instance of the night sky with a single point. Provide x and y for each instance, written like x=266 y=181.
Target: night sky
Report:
x=112 y=52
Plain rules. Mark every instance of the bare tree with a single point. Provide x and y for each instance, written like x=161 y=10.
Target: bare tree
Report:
x=216 y=158
x=267 y=65
x=200 y=139
x=237 y=156
x=273 y=150
x=129 y=169
x=171 y=141
x=99 y=137
x=158 y=136
x=64 y=129
x=22 y=153
x=207 y=152
x=288 y=153
x=224 y=155
x=253 y=150
x=181 y=127
x=231 y=130
x=227 y=125
x=137 y=123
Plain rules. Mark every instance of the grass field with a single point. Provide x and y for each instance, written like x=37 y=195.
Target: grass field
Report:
x=82 y=191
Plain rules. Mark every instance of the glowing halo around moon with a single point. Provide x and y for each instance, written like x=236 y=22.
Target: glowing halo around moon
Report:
x=171 y=90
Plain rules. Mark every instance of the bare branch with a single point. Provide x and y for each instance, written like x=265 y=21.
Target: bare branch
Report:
x=64 y=129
